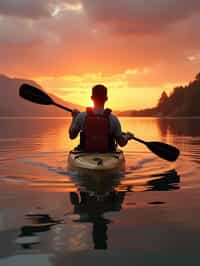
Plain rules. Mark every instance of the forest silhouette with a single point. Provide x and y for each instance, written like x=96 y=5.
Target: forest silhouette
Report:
x=183 y=101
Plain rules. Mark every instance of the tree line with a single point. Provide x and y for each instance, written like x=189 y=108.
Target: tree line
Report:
x=183 y=101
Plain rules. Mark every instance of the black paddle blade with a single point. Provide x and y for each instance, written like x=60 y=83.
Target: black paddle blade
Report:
x=163 y=150
x=34 y=95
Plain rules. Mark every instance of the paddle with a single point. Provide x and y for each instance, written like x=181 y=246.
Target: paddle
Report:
x=36 y=95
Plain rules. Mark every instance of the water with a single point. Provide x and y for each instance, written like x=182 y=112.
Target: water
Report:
x=49 y=217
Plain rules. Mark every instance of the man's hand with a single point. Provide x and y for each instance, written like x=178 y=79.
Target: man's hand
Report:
x=124 y=138
x=128 y=136
x=75 y=112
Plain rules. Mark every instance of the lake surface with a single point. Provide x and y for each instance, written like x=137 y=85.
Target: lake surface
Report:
x=148 y=216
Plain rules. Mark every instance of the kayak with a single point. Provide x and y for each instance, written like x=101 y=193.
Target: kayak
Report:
x=87 y=164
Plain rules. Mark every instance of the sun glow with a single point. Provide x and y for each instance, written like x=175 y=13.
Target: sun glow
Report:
x=90 y=104
x=124 y=89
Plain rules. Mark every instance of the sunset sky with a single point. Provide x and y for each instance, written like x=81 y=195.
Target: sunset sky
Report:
x=136 y=48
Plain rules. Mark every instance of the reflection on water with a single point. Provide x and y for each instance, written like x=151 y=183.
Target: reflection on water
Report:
x=39 y=223
x=93 y=199
x=179 y=127
x=91 y=208
x=78 y=214
x=97 y=196
x=164 y=182
x=91 y=203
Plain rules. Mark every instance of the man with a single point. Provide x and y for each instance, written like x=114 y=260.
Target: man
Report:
x=100 y=130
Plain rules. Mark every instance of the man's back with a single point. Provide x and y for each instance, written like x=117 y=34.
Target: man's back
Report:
x=102 y=132
x=80 y=121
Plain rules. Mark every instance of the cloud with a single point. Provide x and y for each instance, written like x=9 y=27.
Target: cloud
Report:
x=139 y=17
x=25 y=8
x=19 y=31
x=36 y=9
x=72 y=41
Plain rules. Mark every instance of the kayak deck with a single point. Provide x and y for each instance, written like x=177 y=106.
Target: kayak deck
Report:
x=96 y=162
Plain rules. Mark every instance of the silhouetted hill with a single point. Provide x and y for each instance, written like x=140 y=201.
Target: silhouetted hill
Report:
x=183 y=101
x=13 y=105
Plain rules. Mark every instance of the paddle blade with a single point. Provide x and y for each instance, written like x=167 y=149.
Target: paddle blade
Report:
x=34 y=95
x=163 y=150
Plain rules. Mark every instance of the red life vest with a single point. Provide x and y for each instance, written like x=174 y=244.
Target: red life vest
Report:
x=97 y=131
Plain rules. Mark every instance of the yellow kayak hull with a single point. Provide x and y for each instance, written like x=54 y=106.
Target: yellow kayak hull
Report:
x=96 y=163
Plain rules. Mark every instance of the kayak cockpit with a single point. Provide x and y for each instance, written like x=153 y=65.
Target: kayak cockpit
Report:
x=96 y=163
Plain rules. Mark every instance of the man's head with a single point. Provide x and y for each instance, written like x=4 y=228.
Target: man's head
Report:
x=99 y=94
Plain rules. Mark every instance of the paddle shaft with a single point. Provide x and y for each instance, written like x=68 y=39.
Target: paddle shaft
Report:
x=139 y=140
x=62 y=107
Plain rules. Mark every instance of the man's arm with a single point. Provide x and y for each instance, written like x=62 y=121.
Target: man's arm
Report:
x=121 y=138
x=75 y=125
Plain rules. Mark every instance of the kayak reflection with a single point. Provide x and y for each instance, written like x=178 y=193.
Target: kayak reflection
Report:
x=95 y=197
x=91 y=208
